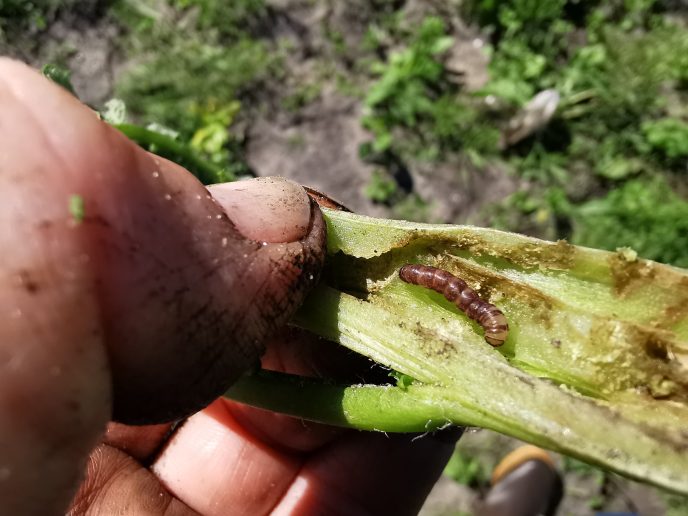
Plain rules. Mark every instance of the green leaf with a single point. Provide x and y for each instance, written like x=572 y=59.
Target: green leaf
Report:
x=164 y=144
x=76 y=208
x=619 y=168
x=645 y=214
x=466 y=470
x=441 y=45
x=115 y=112
x=59 y=75
x=668 y=135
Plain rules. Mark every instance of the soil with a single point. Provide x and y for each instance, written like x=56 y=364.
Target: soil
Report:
x=84 y=40
x=319 y=148
x=318 y=144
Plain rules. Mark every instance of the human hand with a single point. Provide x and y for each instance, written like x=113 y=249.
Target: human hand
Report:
x=145 y=309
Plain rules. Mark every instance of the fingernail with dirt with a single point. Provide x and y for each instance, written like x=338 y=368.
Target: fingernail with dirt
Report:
x=269 y=209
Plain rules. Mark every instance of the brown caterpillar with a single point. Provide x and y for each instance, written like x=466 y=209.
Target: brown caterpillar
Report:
x=465 y=298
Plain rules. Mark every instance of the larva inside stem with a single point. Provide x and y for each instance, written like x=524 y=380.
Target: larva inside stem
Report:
x=455 y=290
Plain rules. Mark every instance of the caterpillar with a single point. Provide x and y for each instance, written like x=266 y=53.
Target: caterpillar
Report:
x=455 y=290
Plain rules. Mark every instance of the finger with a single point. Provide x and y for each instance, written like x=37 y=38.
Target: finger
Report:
x=151 y=302
x=139 y=442
x=260 y=444
x=215 y=466
x=290 y=350
x=117 y=484
x=54 y=380
x=214 y=293
x=369 y=473
x=212 y=464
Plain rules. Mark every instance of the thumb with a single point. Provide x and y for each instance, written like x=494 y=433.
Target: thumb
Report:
x=143 y=304
x=188 y=310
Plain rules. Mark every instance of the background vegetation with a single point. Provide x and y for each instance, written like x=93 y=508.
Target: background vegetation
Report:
x=608 y=169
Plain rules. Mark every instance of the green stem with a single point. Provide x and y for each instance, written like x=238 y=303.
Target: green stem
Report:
x=204 y=170
x=363 y=407
x=594 y=365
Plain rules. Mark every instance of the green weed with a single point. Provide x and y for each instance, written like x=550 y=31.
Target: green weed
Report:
x=19 y=16
x=612 y=121
x=466 y=470
x=668 y=136
x=177 y=87
x=403 y=95
x=643 y=214
x=414 y=109
x=59 y=75
x=226 y=19
x=677 y=505
x=412 y=208
x=197 y=61
x=381 y=187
